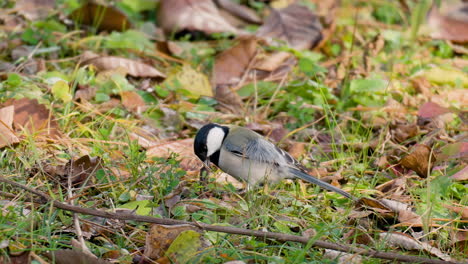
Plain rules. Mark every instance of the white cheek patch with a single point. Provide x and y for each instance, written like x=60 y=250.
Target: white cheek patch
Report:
x=214 y=140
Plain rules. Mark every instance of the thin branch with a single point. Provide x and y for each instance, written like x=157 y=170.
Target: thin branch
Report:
x=227 y=229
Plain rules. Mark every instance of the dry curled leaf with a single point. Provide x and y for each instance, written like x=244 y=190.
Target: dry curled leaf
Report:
x=296 y=25
x=421 y=159
x=193 y=15
x=409 y=243
x=406 y=216
x=102 y=17
x=133 y=68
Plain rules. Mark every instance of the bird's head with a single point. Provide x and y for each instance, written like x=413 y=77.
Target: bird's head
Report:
x=208 y=141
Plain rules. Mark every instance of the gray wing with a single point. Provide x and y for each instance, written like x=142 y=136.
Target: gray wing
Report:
x=250 y=145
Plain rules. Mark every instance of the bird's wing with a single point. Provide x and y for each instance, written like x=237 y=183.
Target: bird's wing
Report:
x=250 y=145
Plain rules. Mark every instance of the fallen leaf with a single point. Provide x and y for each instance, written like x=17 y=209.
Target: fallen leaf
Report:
x=186 y=78
x=7 y=135
x=35 y=9
x=184 y=149
x=449 y=76
x=81 y=170
x=272 y=61
x=460 y=240
x=431 y=110
x=409 y=243
x=229 y=68
x=85 y=92
x=421 y=159
x=224 y=178
x=296 y=25
x=194 y=15
x=132 y=101
x=22 y=258
x=134 y=68
x=406 y=215
x=404 y=131
x=450 y=26
x=33 y=117
x=231 y=64
x=142 y=207
x=422 y=85
x=462 y=175
x=459 y=209
x=185 y=247
x=102 y=17
x=341 y=257
x=73 y=256
x=239 y=11
x=160 y=238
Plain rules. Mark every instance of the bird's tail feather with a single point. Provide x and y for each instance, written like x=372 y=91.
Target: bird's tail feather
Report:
x=322 y=184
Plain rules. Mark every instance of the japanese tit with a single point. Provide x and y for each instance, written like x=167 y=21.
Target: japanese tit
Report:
x=246 y=155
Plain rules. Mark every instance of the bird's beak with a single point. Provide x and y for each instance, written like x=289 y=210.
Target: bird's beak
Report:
x=206 y=164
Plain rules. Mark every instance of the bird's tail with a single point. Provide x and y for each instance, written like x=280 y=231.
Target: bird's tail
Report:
x=306 y=177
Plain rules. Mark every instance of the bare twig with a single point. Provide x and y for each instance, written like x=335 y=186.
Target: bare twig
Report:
x=227 y=229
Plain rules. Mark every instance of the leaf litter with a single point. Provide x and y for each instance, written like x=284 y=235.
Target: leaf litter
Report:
x=359 y=111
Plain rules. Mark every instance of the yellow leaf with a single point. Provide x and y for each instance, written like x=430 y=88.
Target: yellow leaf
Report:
x=446 y=76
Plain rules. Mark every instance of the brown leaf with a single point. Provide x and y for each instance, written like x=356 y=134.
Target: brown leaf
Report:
x=272 y=62
x=7 y=135
x=409 y=243
x=231 y=64
x=431 y=110
x=160 y=237
x=462 y=175
x=134 y=68
x=184 y=148
x=451 y=26
x=421 y=159
x=33 y=117
x=404 y=131
x=73 y=256
x=81 y=169
x=194 y=15
x=239 y=11
x=35 y=9
x=102 y=17
x=460 y=240
x=22 y=258
x=132 y=101
x=459 y=209
x=406 y=216
x=296 y=25
x=85 y=92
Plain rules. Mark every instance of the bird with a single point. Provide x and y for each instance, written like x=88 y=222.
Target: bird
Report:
x=248 y=156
